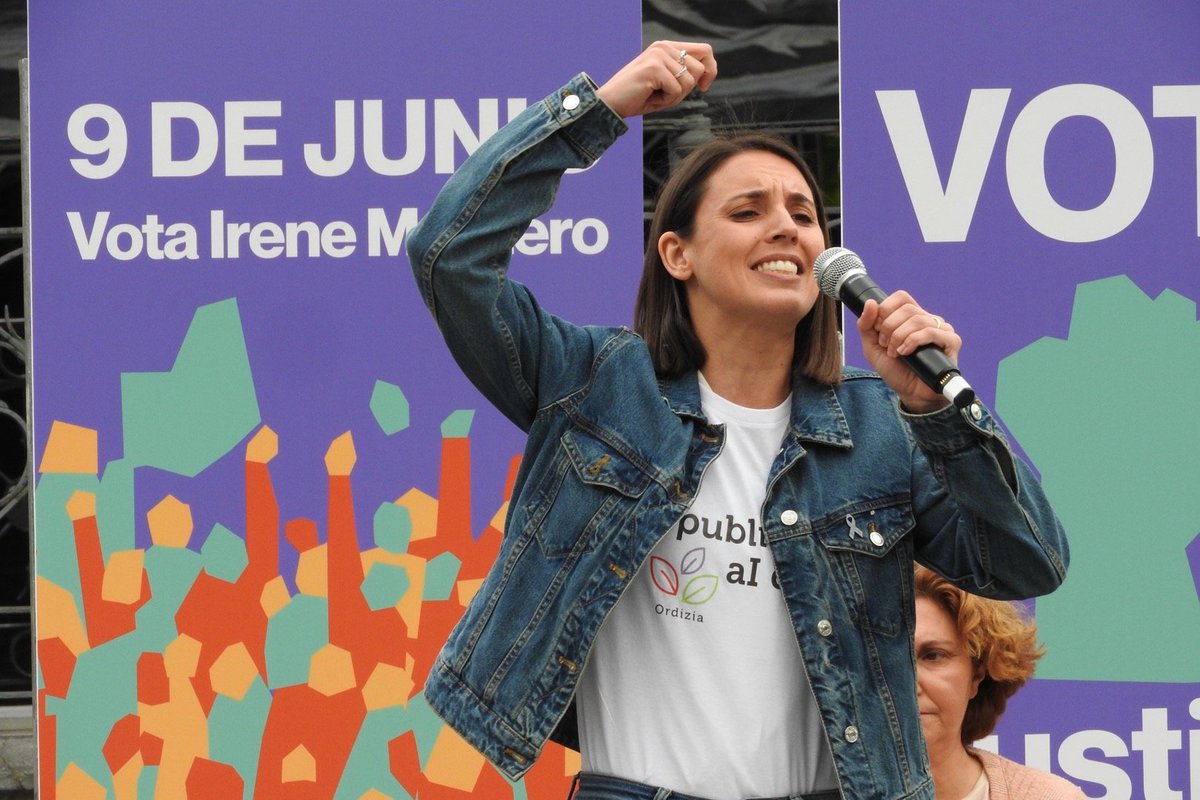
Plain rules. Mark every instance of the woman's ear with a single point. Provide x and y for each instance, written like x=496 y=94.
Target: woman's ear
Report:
x=672 y=250
x=977 y=678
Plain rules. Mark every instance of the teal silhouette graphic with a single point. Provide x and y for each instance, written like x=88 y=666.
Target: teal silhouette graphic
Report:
x=1111 y=418
x=185 y=419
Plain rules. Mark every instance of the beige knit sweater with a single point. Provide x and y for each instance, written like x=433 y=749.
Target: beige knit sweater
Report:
x=1012 y=781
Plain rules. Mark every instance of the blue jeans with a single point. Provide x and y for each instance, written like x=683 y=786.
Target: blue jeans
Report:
x=590 y=786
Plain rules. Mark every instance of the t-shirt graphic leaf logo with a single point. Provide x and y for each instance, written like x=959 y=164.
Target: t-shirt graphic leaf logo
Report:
x=699 y=589
x=663 y=573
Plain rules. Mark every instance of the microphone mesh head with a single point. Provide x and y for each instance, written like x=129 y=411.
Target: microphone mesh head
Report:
x=831 y=267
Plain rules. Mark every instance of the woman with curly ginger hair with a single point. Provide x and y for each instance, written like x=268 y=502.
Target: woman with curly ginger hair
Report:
x=972 y=655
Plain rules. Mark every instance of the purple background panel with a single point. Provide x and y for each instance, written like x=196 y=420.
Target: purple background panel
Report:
x=1087 y=349
x=945 y=50
x=319 y=331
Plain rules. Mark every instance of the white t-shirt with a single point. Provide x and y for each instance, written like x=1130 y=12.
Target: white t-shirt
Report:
x=695 y=681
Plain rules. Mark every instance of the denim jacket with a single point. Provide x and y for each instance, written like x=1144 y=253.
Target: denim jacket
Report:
x=615 y=455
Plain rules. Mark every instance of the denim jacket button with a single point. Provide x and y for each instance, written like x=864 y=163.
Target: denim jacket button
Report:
x=571 y=102
x=851 y=734
x=824 y=627
x=789 y=517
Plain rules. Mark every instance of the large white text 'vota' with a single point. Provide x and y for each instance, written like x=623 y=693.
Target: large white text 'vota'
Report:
x=944 y=209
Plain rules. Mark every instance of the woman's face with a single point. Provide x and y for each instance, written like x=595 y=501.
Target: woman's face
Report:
x=946 y=676
x=749 y=259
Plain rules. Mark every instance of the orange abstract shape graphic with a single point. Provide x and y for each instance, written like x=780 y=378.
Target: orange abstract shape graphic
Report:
x=262 y=513
x=262 y=447
x=231 y=617
x=274 y=596
x=375 y=655
x=551 y=774
x=423 y=510
x=153 y=686
x=341 y=456
x=124 y=742
x=499 y=517
x=125 y=779
x=234 y=671
x=75 y=784
x=301 y=534
x=299 y=765
x=170 y=523
x=331 y=671
x=214 y=781
x=302 y=720
x=388 y=686
x=123 y=578
x=371 y=635
x=81 y=505
x=453 y=762
x=58 y=664
x=465 y=590
x=454 y=493
x=405 y=765
x=70 y=449
x=180 y=722
x=152 y=747
x=312 y=572
x=58 y=616
x=104 y=620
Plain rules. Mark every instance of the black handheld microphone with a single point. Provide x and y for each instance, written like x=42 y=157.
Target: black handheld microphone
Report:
x=841 y=275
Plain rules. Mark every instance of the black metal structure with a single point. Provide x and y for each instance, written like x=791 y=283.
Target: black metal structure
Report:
x=16 y=682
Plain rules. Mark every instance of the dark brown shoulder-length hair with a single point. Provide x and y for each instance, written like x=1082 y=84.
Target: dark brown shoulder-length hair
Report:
x=661 y=314
x=1001 y=640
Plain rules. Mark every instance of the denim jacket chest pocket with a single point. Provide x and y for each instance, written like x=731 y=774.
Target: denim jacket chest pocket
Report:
x=865 y=542
x=587 y=493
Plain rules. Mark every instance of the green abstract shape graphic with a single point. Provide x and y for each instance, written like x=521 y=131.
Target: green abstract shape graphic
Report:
x=392 y=527
x=440 y=575
x=368 y=766
x=298 y=630
x=458 y=424
x=185 y=419
x=55 y=541
x=224 y=554
x=239 y=726
x=1109 y=417
x=384 y=585
x=390 y=407
x=114 y=507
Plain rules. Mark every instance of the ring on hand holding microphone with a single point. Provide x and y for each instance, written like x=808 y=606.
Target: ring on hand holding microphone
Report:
x=682 y=70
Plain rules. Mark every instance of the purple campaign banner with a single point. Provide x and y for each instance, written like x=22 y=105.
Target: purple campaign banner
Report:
x=227 y=338
x=328 y=325
x=1030 y=171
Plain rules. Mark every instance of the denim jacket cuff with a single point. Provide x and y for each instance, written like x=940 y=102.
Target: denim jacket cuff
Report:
x=950 y=429
x=576 y=101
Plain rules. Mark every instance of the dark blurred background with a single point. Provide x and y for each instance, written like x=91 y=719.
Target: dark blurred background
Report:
x=15 y=672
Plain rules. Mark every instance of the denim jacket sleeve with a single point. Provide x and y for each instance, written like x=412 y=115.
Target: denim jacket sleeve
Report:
x=1015 y=546
x=460 y=250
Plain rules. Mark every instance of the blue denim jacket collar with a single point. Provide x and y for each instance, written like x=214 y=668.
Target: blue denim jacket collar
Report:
x=816 y=413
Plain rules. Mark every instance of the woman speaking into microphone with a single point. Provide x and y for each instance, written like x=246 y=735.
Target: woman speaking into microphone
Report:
x=631 y=613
